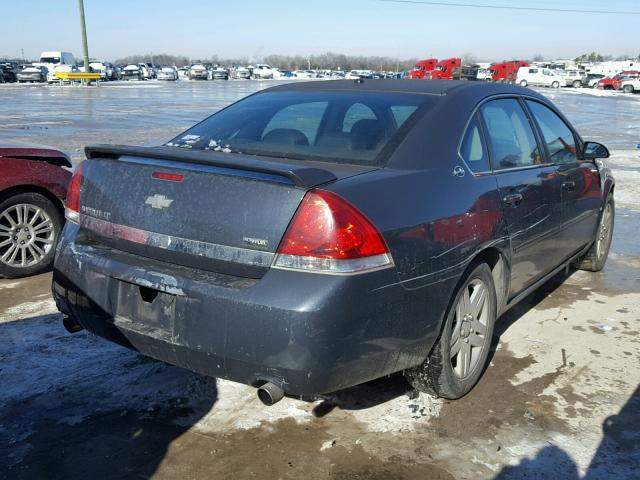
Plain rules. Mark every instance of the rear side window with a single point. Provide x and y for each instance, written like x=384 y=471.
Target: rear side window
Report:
x=472 y=149
x=511 y=140
x=559 y=139
x=333 y=126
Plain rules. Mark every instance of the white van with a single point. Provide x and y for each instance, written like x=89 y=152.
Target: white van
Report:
x=53 y=60
x=533 y=75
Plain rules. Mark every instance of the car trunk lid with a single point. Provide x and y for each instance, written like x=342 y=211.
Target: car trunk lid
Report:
x=214 y=211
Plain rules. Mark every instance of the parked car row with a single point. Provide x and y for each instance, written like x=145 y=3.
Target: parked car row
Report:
x=522 y=73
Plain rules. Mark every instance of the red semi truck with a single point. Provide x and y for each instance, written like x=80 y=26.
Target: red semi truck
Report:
x=506 y=71
x=446 y=69
x=452 y=69
x=423 y=68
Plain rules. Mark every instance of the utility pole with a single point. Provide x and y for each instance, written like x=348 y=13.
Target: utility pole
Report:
x=83 y=29
x=22 y=52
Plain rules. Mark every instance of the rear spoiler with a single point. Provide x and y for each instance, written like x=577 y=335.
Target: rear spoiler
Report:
x=300 y=176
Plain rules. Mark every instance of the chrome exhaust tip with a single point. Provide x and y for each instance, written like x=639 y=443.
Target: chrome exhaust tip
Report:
x=270 y=394
x=71 y=326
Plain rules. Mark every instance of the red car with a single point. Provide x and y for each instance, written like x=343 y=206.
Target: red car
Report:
x=615 y=82
x=33 y=186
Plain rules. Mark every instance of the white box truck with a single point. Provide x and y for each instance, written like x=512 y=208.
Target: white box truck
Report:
x=53 y=60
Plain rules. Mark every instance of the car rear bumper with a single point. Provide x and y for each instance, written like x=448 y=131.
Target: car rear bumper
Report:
x=308 y=333
x=30 y=78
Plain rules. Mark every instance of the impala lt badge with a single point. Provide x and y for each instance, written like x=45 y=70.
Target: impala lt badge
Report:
x=158 y=201
x=256 y=242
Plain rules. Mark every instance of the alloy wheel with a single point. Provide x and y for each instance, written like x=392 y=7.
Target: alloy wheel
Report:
x=469 y=334
x=26 y=235
x=605 y=232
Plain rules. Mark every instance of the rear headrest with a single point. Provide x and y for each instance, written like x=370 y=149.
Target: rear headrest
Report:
x=286 y=136
x=366 y=134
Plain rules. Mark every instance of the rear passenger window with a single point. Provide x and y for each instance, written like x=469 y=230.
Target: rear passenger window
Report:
x=511 y=140
x=473 y=150
x=561 y=144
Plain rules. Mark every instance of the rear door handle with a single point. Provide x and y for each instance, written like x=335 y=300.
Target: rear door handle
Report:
x=513 y=199
x=569 y=185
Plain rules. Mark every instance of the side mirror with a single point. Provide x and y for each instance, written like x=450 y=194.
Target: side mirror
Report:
x=593 y=150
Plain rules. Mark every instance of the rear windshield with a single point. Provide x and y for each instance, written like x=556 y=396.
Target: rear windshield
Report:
x=342 y=127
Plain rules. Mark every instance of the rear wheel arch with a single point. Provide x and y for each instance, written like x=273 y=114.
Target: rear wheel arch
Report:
x=499 y=266
x=18 y=189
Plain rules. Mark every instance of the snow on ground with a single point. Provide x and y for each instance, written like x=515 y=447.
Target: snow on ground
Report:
x=597 y=92
x=625 y=165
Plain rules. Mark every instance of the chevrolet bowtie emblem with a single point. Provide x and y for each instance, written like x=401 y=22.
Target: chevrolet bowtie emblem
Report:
x=158 y=201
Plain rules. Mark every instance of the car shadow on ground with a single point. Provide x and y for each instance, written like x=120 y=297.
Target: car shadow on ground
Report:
x=76 y=406
x=366 y=395
x=617 y=456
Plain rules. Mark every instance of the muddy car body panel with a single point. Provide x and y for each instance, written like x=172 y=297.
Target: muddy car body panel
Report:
x=34 y=167
x=188 y=266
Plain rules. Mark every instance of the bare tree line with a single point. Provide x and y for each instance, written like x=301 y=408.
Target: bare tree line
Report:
x=327 y=60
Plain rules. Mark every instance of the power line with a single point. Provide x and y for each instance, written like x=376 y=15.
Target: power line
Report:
x=503 y=7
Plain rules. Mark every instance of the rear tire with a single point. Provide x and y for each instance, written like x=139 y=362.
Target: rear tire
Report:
x=577 y=84
x=38 y=231
x=458 y=358
x=628 y=89
x=555 y=84
x=524 y=83
x=596 y=257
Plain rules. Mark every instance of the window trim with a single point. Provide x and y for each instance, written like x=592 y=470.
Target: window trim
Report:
x=485 y=146
x=519 y=98
x=576 y=138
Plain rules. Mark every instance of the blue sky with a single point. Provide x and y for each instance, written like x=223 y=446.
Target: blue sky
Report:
x=254 y=28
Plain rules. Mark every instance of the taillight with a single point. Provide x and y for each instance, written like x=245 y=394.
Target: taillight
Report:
x=328 y=234
x=72 y=203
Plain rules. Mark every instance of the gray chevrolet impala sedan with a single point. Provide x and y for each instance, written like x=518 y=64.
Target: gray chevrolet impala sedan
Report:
x=314 y=236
